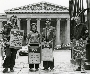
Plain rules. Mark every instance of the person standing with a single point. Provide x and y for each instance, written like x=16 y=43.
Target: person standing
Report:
x=48 y=37
x=32 y=38
x=10 y=53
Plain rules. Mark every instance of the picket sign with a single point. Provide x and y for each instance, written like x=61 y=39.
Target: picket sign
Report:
x=16 y=37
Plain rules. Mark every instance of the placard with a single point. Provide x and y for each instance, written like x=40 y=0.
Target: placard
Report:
x=34 y=56
x=16 y=37
x=47 y=54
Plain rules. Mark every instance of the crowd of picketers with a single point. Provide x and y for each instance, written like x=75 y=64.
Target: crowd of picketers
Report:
x=80 y=48
x=33 y=36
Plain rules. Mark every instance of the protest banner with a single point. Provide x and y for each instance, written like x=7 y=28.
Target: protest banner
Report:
x=47 y=54
x=16 y=37
x=34 y=54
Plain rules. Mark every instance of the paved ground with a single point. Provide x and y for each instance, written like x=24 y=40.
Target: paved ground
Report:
x=62 y=65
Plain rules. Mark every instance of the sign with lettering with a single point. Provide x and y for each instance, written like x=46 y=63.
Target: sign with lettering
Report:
x=47 y=54
x=34 y=54
x=16 y=37
x=34 y=58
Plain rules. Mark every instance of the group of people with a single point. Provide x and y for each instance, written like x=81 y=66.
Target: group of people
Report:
x=47 y=37
x=33 y=36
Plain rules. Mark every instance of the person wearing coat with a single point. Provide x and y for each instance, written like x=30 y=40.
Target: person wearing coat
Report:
x=33 y=37
x=48 y=37
x=10 y=53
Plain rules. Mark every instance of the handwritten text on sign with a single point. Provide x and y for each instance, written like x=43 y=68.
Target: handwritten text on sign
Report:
x=16 y=37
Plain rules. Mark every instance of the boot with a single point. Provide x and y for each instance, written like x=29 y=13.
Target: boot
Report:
x=45 y=68
x=78 y=69
x=11 y=69
x=5 y=70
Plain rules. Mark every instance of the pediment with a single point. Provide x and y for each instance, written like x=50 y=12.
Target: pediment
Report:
x=39 y=7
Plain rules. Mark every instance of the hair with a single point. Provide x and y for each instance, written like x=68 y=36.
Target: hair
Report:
x=33 y=25
x=12 y=18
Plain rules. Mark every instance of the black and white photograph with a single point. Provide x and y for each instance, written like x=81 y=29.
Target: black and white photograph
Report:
x=44 y=36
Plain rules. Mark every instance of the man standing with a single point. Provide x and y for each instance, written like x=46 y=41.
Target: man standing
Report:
x=48 y=37
x=33 y=40
x=9 y=61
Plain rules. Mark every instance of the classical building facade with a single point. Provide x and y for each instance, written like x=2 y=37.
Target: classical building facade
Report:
x=38 y=13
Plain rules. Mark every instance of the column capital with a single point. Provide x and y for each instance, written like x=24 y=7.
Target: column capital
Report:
x=58 y=19
x=28 y=18
x=38 y=19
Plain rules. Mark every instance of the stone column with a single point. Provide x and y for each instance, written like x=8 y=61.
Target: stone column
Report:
x=58 y=41
x=38 y=24
x=18 y=23
x=28 y=25
x=68 y=31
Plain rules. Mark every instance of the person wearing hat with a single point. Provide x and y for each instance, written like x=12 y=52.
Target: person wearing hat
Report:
x=33 y=37
x=10 y=53
x=48 y=36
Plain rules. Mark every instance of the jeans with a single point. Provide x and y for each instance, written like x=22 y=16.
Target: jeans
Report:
x=9 y=61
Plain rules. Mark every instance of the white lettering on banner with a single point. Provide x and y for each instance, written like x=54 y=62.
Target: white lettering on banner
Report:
x=34 y=49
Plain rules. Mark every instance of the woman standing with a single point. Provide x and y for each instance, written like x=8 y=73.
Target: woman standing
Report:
x=33 y=38
x=10 y=53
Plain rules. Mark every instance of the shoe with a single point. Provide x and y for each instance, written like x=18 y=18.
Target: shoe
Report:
x=45 y=69
x=78 y=69
x=11 y=69
x=31 y=69
x=51 y=68
x=36 y=69
x=5 y=70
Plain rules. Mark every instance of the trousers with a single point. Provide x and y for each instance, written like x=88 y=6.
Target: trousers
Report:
x=32 y=66
x=9 y=61
x=47 y=64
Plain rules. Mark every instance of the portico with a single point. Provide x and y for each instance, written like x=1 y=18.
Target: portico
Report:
x=38 y=13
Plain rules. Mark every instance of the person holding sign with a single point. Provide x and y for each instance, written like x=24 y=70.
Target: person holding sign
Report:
x=33 y=39
x=48 y=37
x=10 y=53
